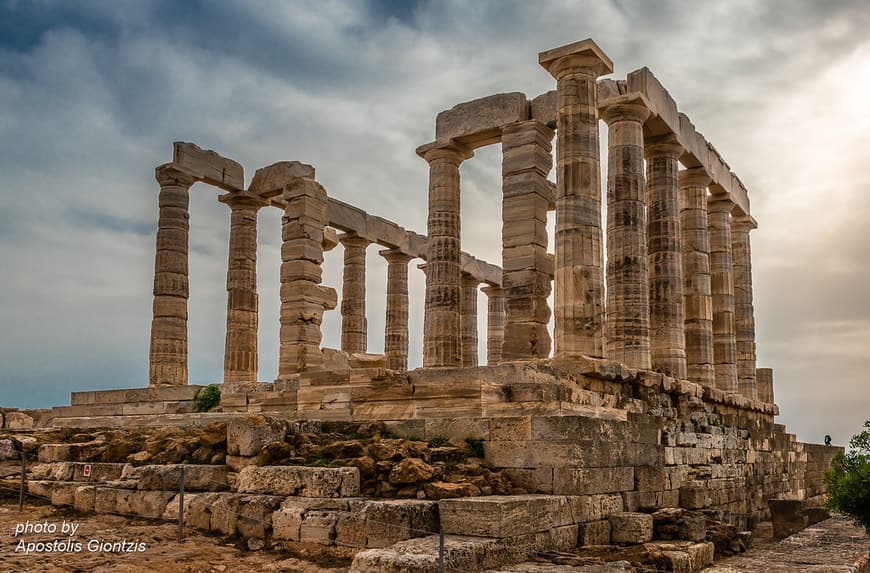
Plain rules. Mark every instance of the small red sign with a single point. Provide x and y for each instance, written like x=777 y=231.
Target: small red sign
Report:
x=87 y=470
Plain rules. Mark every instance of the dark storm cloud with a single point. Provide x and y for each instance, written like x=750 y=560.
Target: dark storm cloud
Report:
x=93 y=93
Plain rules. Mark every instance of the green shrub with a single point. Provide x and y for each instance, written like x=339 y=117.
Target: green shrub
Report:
x=207 y=398
x=849 y=480
x=438 y=442
x=476 y=446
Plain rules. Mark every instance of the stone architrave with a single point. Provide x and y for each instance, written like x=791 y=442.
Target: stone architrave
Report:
x=168 y=353
x=240 y=350
x=579 y=273
x=667 y=337
x=494 y=323
x=354 y=332
x=303 y=299
x=527 y=269
x=396 y=327
x=764 y=384
x=697 y=298
x=744 y=312
x=722 y=288
x=468 y=320
x=627 y=326
x=442 y=343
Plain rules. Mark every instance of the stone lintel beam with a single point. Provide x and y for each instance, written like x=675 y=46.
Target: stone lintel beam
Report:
x=269 y=181
x=208 y=166
x=480 y=122
x=579 y=256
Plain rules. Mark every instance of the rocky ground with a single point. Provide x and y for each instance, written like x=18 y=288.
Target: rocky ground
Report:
x=197 y=554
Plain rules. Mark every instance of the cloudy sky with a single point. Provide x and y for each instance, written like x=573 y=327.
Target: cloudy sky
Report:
x=92 y=95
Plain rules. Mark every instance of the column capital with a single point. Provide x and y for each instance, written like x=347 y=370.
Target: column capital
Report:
x=243 y=200
x=627 y=107
x=579 y=57
x=666 y=145
x=719 y=204
x=493 y=291
x=396 y=256
x=743 y=223
x=445 y=150
x=469 y=279
x=173 y=174
x=353 y=240
x=695 y=177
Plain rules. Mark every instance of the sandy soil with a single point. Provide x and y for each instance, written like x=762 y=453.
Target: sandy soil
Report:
x=198 y=553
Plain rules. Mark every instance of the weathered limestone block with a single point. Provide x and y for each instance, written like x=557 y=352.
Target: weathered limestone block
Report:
x=627 y=326
x=495 y=323
x=527 y=275
x=594 y=507
x=584 y=481
x=255 y=515
x=247 y=435
x=198 y=514
x=353 y=294
x=787 y=515
x=269 y=181
x=503 y=516
x=17 y=421
x=697 y=296
x=300 y=481
x=410 y=471
x=196 y=477
x=442 y=343
x=543 y=108
x=168 y=354
x=318 y=527
x=468 y=320
x=83 y=498
x=631 y=527
x=303 y=300
x=579 y=276
x=764 y=384
x=722 y=288
x=667 y=339
x=8 y=451
x=396 y=325
x=240 y=350
x=594 y=533
x=388 y=522
x=40 y=488
x=63 y=493
x=744 y=312
x=479 y=122
x=208 y=166
x=171 y=511
x=224 y=515
x=49 y=453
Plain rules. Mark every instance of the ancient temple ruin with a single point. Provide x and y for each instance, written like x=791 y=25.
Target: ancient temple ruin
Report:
x=647 y=395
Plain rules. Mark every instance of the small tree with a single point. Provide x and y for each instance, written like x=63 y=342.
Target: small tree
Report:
x=848 y=480
x=207 y=398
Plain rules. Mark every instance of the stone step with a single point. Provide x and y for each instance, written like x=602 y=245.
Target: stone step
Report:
x=140 y=420
x=504 y=516
x=614 y=567
x=300 y=481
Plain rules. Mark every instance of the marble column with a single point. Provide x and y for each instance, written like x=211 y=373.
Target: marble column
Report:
x=764 y=384
x=303 y=299
x=697 y=296
x=744 y=312
x=579 y=274
x=396 y=327
x=468 y=320
x=168 y=354
x=240 y=349
x=354 y=335
x=666 y=315
x=627 y=326
x=442 y=343
x=722 y=288
x=495 y=323
x=527 y=269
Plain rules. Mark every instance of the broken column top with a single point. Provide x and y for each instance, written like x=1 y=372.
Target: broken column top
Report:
x=479 y=122
x=586 y=53
x=269 y=181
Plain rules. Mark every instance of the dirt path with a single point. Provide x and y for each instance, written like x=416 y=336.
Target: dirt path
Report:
x=162 y=553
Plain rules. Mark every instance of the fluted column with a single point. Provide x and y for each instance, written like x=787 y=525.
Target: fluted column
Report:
x=303 y=299
x=722 y=288
x=442 y=343
x=468 y=320
x=667 y=338
x=627 y=325
x=527 y=269
x=697 y=296
x=240 y=349
x=354 y=335
x=744 y=312
x=579 y=275
x=764 y=384
x=168 y=353
x=396 y=327
x=495 y=323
